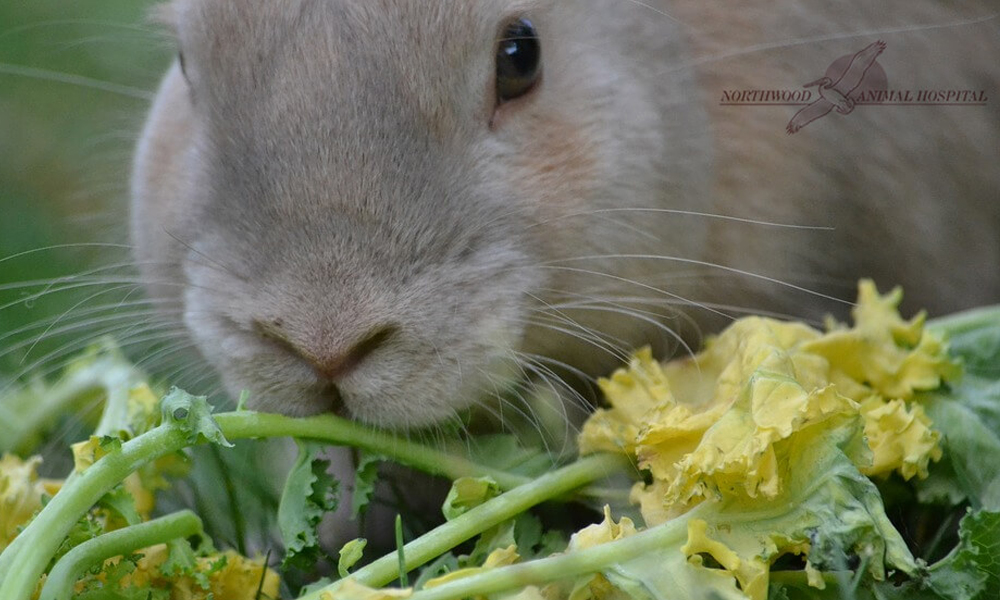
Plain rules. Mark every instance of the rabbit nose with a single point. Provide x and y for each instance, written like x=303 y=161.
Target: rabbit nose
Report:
x=331 y=361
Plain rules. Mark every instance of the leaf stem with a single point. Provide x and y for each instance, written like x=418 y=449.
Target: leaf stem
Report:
x=59 y=584
x=563 y=566
x=109 y=373
x=24 y=561
x=334 y=430
x=484 y=516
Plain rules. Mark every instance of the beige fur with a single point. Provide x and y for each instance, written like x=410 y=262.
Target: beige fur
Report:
x=339 y=166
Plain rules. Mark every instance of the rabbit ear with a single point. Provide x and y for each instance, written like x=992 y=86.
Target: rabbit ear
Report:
x=164 y=14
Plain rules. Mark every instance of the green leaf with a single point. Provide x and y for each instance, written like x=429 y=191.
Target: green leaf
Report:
x=971 y=443
x=315 y=587
x=87 y=528
x=468 y=492
x=444 y=564
x=110 y=443
x=310 y=492
x=350 y=554
x=365 y=477
x=972 y=570
x=667 y=575
x=110 y=588
x=504 y=452
x=974 y=336
x=968 y=415
x=182 y=561
x=828 y=503
x=121 y=501
x=194 y=415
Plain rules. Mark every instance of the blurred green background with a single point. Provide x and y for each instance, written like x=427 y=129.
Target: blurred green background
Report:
x=75 y=81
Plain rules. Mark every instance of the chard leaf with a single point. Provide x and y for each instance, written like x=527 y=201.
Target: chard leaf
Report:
x=182 y=561
x=667 y=575
x=122 y=502
x=111 y=585
x=468 y=492
x=444 y=564
x=968 y=415
x=504 y=452
x=974 y=336
x=831 y=512
x=971 y=441
x=972 y=570
x=87 y=528
x=194 y=415
x=315 y=586
x=350 y=554
x=365 y=477
x=91 y=450
x=310 y=492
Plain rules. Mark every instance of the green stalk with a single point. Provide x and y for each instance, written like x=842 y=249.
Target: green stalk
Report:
x=484 y=516
x=60 y=582
x=112 y=374
x=334 y=430
x=24 y=561
x=564 y=566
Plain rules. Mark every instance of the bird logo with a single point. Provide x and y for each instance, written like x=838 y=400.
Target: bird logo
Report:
x=838 y=84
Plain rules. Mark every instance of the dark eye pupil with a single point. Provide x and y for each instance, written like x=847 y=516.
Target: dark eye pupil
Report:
x=519 y=56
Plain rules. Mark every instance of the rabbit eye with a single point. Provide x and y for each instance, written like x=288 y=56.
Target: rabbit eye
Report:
x=519 y=60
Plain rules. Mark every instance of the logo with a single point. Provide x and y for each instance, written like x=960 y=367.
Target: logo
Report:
x=851 y=81
x=837 y=88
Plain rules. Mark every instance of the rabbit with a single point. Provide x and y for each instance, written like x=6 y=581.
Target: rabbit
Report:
x=396 y=210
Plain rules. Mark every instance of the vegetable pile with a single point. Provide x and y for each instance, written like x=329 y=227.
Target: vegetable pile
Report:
x=781 y=462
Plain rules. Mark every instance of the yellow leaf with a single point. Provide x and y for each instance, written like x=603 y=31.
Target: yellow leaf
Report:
x=498 y=558
x=901 y=438
x=602 y=533
x=86 y=453
x=21 y=492
x=751 y=573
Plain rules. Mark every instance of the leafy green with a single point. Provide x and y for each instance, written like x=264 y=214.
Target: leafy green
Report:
x=123 y=504
x=664 y=575
x=815 y=505
x=112 y=586
x=505 y=452
x=972 y=570
x=86 y=528
x=310 y=492
x=365 y=477
x=468 y=492
x=444 y=564
x=968 y=414
x=194 y=415
x=182 y=560
x=350 y=554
